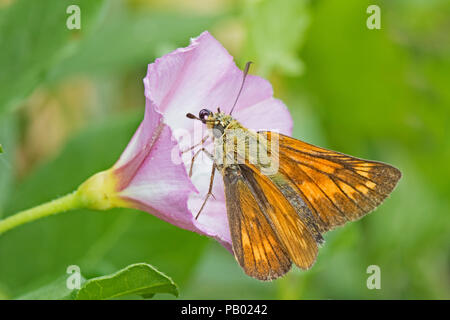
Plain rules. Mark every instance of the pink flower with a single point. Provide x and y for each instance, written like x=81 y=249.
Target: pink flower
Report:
x=148 y=176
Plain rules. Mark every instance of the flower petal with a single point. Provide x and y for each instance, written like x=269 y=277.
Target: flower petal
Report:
x=153 y=178
x=270 y=114
x=204 y=75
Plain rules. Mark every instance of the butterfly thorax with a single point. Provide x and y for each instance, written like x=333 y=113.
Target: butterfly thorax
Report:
x=232 y=141
x=219 y=122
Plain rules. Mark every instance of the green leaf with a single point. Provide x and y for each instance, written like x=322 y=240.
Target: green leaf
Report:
x=139 y=279
x=136 y=279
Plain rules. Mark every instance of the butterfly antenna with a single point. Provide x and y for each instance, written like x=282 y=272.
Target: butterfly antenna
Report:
x=191 y=116
x=247 y=67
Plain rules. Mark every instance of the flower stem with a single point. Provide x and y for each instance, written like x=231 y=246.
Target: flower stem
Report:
x=65 y=203
x=99 y=192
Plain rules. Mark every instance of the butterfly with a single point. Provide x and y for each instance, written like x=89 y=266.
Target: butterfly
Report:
x=283 y=194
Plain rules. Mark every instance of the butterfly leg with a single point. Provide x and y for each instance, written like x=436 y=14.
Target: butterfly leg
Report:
x=204 y=139
x=211 y=183
x=196 y=155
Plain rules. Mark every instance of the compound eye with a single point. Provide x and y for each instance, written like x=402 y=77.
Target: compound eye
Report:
x=203 y=114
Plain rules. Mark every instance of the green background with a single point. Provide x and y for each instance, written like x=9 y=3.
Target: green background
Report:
x=71 y=99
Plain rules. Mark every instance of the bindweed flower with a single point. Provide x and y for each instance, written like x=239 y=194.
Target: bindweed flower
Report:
x=152 y=172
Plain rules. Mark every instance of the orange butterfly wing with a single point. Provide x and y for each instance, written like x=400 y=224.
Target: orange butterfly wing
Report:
x=336 y=187
x=267 y=232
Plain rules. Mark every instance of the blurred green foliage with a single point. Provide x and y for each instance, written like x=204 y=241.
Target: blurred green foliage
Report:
x=377 y=94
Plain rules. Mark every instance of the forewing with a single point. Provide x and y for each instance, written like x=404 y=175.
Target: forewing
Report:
x=336 y=187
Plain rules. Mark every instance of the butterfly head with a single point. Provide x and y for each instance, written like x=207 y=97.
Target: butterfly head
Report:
x=215 y=121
